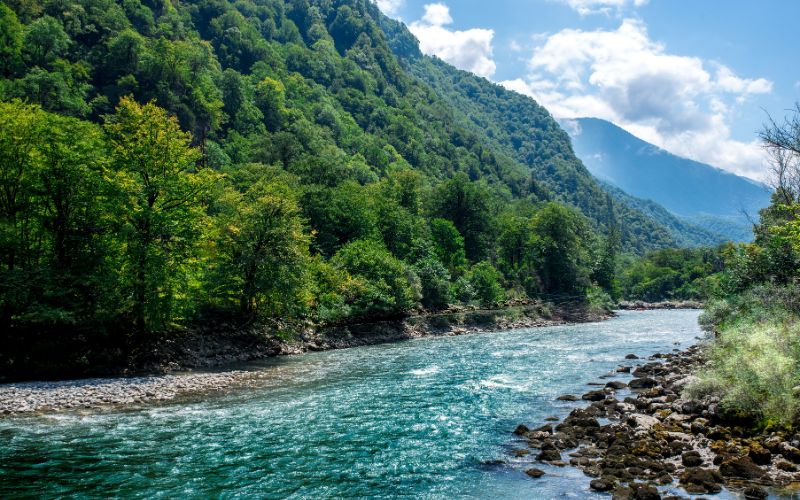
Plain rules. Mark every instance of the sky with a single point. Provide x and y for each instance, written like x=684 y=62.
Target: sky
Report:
x=695 y=77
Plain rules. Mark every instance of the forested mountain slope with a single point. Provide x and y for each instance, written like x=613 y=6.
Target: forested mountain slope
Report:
x=168 y=162
x=707 y=196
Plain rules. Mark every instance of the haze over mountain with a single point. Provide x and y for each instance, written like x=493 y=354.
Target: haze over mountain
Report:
x=704 y=195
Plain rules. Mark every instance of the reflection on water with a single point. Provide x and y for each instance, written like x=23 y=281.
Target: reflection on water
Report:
x=415 y=418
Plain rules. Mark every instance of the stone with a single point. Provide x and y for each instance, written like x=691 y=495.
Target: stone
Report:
x=642 y=383
x=603 y=484
x=698 y=426
x=535 y=473
x=567 y=397
x=643 y=491
x=616 y=385
x=741 y=467
x=521 y=430
x=594 y=396
x=549 y=455
x=786 y=466
x=789 y=452
x=759 y=454
x=631 y=356
x=698 y=480
x=691 y=459
x=755 y=492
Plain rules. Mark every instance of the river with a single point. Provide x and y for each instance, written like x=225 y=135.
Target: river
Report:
x=416 y=418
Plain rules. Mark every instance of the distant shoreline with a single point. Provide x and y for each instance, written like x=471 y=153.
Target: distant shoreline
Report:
x=639 y=305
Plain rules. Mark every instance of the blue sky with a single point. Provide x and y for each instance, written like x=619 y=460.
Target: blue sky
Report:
x=692 y=76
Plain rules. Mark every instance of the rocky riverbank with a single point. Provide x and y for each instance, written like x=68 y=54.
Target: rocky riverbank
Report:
x=201 y=350
x=639 y=305
x=644 y=438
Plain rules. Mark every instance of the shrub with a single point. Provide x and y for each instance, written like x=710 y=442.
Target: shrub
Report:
x=485 y=281
x=387 y=286
x=435 y=283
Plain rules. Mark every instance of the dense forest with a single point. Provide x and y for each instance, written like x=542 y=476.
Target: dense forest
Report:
x=168 y=163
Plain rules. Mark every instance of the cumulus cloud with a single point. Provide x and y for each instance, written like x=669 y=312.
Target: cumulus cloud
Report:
x=390 y=7
x=680 y=103
x=470 y=49
x=586 y=7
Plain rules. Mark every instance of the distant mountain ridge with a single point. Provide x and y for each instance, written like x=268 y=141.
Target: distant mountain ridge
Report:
x=703 y=195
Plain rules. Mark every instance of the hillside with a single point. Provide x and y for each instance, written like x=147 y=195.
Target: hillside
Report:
x=174 y=163
x=701 y=194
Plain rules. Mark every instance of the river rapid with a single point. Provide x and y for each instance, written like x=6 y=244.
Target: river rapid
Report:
x=420 y=418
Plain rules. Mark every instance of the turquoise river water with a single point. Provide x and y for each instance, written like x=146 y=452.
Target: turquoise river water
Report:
x=411 y=419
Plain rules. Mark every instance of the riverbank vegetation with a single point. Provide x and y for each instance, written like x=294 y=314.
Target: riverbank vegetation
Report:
x=166 y=165
x=755 y=358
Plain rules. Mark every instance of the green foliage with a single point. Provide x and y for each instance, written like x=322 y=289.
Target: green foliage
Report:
x=162 y=219
x=485 y=284
x=468 y=206
x=262 y=247
x=434 y=282
x=264 y=160
x=674 y=274
x=753 y=361
x=448 y=245
x=562 y=245
x=386 y=286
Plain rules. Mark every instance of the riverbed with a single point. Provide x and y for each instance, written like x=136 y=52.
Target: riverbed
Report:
x=425 y=418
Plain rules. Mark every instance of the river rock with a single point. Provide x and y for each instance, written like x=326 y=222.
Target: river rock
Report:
x=697 y=480
x=631 y=356
x=642 y=383
x=691 y=459
x=594 y=396
x=602 y=484
x=759 y=454
x=741 y=467
x=755 y=492
x=535 y=473
x=616 y=385
x=567 y=397
x=549 y=456
x=789 y=452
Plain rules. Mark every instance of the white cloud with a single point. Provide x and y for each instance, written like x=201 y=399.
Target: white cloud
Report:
x=390 y=7
x=586 y=7
x=470 y=49
x=680 y=103
x=437 y=14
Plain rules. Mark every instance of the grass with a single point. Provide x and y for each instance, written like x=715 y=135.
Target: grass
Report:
x=754 y=361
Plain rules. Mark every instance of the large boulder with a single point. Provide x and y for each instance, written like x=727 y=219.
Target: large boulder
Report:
x=698 y=480
x=642 y=383
x=741 y=467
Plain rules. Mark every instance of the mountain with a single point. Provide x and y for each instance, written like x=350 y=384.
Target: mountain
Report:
x=700 y=194
x=520 y=129
x=353 y=82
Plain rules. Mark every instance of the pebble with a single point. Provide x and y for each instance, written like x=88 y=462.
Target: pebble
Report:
x=33 y=397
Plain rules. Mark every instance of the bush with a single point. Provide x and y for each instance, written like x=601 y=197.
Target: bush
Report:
x=485 y=280
x=753 y=362
x=435 y=283
x=385 y=285
x=753 y=367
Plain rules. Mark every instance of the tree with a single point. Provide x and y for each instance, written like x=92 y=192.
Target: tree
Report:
x=11 y=37
x=448 y=245
x=263 y=250
x=560 y=243
x=387 y=286
x=45 y=41
x=468 y=205
x=485 y=282
x=160 y=190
